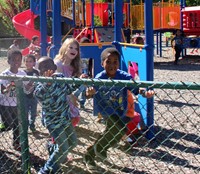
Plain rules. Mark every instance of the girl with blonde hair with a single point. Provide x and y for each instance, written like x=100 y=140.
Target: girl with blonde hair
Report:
x=68 y=59
x=68 y=62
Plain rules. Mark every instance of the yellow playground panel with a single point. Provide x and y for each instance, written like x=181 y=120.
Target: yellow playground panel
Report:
x=166 y=15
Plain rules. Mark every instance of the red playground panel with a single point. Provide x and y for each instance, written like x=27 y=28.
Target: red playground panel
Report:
x=191 y=20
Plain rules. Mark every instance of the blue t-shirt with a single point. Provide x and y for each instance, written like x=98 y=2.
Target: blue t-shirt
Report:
x=112 y=100
x=178 y=41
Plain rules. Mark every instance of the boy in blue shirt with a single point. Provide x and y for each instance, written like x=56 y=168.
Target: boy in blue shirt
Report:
x=56 y=113
x=112 y=105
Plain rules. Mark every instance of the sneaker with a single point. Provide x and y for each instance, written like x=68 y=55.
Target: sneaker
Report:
x=33 y=130
x=89 y=163
x=17 y=146
x=43 y=171
x=102 y=155
x=51 y=147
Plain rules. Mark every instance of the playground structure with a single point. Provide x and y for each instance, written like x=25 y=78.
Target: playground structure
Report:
x=74 y=13
x=87 y=21
x=191 y=26
x=189 y=20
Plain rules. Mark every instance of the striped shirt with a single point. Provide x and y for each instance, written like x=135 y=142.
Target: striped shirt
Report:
x=55 y=103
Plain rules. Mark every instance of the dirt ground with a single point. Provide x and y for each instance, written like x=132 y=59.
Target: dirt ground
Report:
x=174 y=150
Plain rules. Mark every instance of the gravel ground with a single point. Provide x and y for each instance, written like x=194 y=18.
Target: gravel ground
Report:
x=174 y=150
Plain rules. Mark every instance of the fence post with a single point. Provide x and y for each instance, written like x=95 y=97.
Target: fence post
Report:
x=23 y=126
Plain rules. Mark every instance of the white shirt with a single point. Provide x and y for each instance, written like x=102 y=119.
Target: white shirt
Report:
x=14 y=47
x=9 y=99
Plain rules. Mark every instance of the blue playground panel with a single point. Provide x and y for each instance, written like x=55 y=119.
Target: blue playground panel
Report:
x=191 y=42
x=138 y=55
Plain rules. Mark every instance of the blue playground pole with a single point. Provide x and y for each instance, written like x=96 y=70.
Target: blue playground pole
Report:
x=118 y=20
x=43 y=28
x=74 y=13
x=149 y=46
x=56 y=28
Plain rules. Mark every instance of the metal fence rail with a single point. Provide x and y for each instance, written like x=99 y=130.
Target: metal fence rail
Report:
x=174 y=148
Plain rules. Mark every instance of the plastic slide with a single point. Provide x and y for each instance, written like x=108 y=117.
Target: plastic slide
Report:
x=24 y=24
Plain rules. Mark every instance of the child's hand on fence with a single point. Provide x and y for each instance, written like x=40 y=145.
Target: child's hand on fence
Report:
x=90 y=91
x=150 y=93
x=147 y=93
x=48 y=73
x=84 y=76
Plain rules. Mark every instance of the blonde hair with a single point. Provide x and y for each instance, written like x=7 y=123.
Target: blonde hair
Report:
x=76 y=62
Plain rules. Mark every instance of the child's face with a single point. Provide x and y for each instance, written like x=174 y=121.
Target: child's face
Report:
x=72 y=51
x=15 y=62
x=47 y=68
x=178 y=33
x=111 y=64
x=29 y=63
x=36 y=42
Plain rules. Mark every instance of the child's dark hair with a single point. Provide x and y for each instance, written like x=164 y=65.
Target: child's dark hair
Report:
x=44 y=61
x=109 y=51
x=182 y=32
x=13 y=53
x=34 y=38
x=139 y=40
x=30 y=56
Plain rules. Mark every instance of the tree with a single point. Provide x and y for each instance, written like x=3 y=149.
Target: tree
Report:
x=8 y=9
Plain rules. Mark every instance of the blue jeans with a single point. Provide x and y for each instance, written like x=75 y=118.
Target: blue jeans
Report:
x=81 y=91
x=66 y=139
x=31 y=108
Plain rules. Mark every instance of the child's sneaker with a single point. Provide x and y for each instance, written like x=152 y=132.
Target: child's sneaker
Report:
x=16 y=146
x=33 y=130
x=43 y=171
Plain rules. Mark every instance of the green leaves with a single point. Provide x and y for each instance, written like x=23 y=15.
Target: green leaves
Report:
x=8 y=9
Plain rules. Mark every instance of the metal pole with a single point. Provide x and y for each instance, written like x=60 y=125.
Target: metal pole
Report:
x=23 y=126
x=118 y=20
x=43 y=29
x=148 y=6
x=56 y=27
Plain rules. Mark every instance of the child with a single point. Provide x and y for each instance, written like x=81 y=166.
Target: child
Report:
x=139 y=40
x=56 y=112
x=15 y=45
x=177 y=44
x=9 y=100
x=50 y=46
x=30 y=100
x=68 y=62
x=112 y=105
x=34 y=44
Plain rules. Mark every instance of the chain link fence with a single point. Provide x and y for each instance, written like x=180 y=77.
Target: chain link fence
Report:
x=173 y=149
